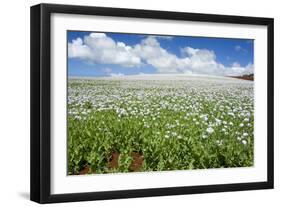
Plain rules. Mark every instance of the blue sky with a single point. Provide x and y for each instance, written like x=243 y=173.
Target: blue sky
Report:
x=116 y=54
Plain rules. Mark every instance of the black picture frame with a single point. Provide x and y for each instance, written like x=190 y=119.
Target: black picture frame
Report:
x=41 y=98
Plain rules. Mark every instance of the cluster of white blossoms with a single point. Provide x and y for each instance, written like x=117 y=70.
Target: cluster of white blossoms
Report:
x=172 y=108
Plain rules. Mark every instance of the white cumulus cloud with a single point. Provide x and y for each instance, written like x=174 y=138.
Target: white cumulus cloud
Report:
x=116 y=74
x=101 y=49
x=237 y=47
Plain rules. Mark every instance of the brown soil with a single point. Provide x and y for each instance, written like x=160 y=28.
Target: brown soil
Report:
x=113 y=162
x=135 y=165
x=85 y=170
x=137 y=162
x=244 y=77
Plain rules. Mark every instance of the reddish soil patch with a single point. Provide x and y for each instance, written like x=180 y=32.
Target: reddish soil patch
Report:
x=135 y=165
x=137 y=162
x=85 y=170
x=244 y=77
x=113 y=162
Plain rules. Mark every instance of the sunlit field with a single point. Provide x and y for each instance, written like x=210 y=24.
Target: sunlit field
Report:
x=159 y=123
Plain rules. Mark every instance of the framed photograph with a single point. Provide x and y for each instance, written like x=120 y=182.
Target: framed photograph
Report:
x=133 y=103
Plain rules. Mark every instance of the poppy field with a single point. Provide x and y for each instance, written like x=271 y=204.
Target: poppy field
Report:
x=159 y=123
